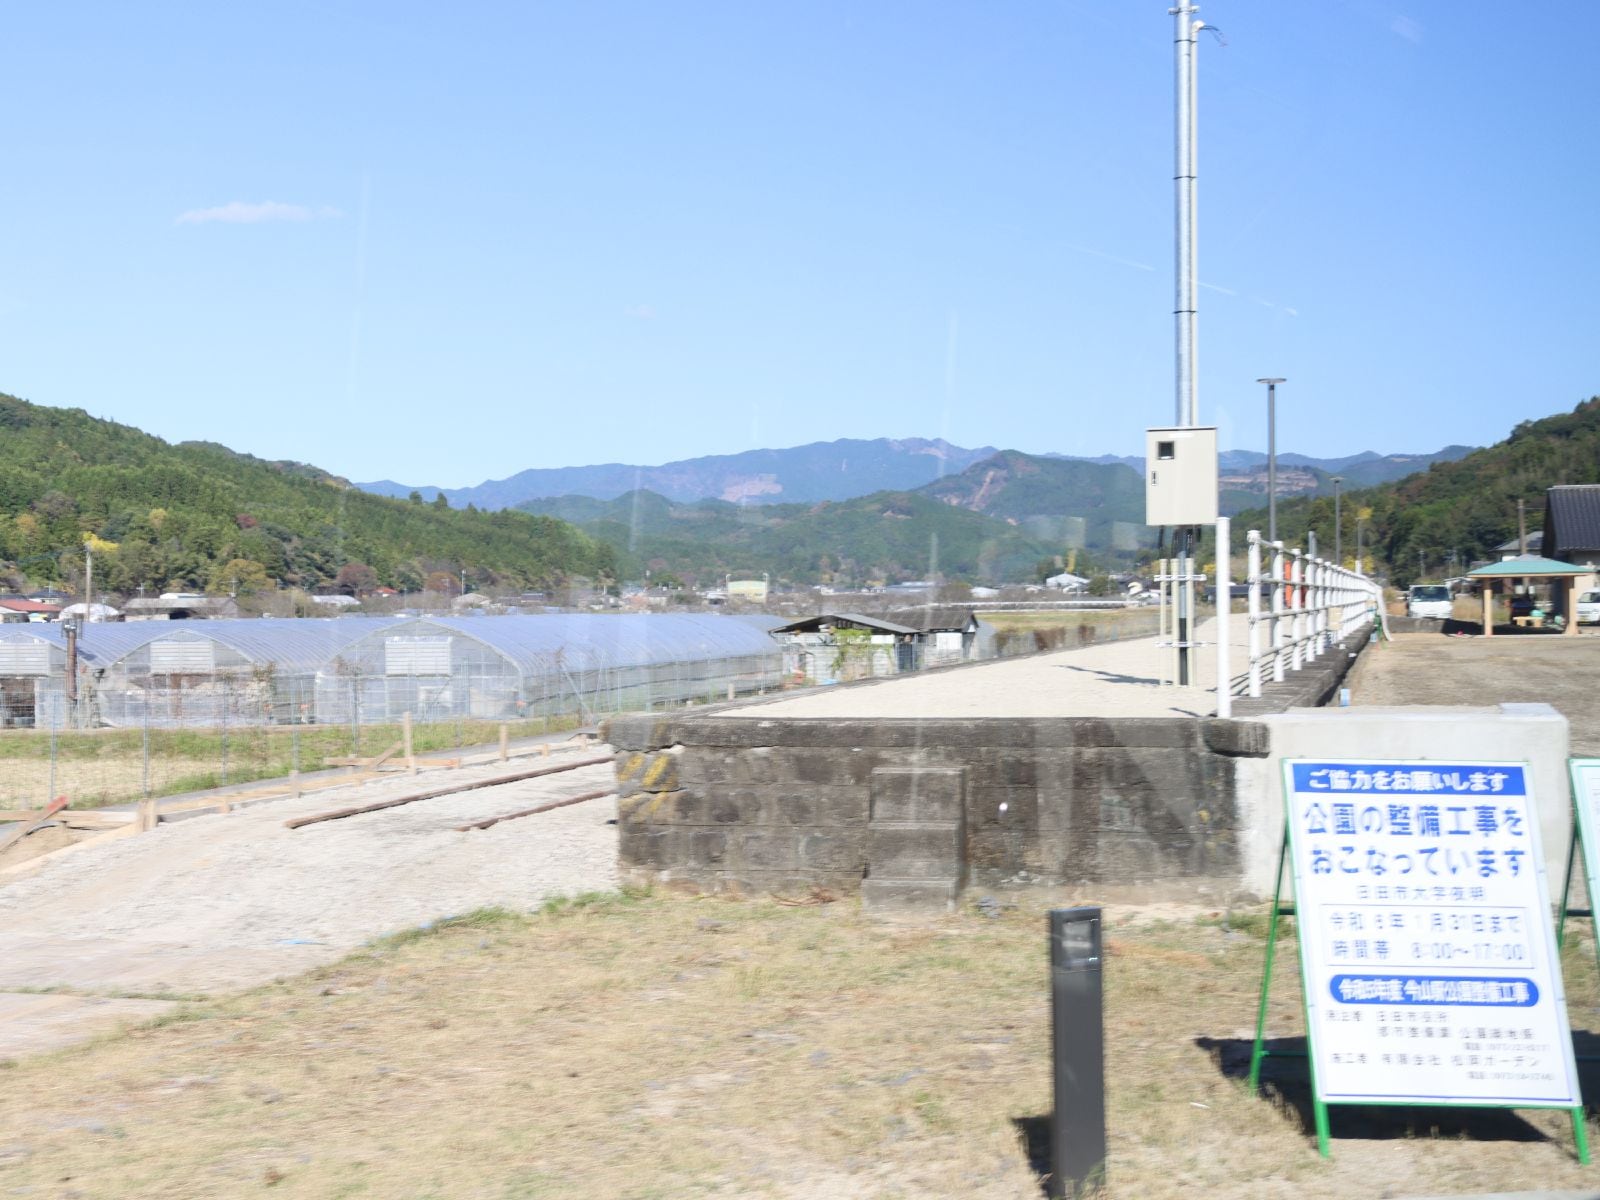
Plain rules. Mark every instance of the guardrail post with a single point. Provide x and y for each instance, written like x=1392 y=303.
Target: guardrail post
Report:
x=1253 y=574
x=1297 y=604
x=1277 y=613
x=1224 y=592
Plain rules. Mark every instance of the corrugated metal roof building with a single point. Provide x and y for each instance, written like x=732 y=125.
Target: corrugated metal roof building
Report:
x=1572 y=526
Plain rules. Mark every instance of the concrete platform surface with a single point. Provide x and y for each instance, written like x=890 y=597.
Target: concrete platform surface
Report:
x=1116 y=679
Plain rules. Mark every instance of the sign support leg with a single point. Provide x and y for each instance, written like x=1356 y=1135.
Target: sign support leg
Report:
x=1258 y=1051
x=1566 y=886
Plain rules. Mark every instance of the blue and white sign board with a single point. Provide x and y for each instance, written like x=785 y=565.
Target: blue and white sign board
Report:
x=1426 y=945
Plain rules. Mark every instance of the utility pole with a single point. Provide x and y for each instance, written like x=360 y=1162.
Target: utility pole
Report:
x=1522 y=527
x=88 y=580
x=1272 y=456
x=1185 y=292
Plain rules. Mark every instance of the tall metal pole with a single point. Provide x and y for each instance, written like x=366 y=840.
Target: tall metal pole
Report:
x=1184 y=304
x=1272 y=456
x=1338 y=527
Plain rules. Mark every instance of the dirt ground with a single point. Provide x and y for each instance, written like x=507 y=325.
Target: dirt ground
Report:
x=223 y=901
x=1433 y=668
x=663 y=1046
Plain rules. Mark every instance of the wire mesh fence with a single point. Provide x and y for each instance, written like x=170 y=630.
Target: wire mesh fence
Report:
x=121 y=736
x=105 y=766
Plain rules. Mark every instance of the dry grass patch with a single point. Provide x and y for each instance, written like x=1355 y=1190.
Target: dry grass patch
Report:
x=659 y=1046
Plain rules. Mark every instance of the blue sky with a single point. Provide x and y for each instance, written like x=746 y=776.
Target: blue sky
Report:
x=441 y=244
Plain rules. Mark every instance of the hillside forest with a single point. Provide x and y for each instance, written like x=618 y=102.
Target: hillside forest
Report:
x=197 y=516
x=1436 y=522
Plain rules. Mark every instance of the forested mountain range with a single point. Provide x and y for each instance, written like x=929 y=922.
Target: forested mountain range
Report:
x=886 y=537
x=1453 y=513
x=850 y=467
x=838 y=470
x=1015 y=511
x=197 y=515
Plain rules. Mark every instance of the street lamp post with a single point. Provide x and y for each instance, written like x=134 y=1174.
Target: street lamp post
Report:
x=1272 y=457
x=1338 y=526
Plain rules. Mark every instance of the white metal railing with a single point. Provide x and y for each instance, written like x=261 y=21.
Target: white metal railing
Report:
x=1312 y=603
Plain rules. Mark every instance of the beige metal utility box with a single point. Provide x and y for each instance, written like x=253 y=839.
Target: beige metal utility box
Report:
x=1180 y=476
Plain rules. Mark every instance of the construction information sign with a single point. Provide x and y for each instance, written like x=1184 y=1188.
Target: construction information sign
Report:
x=1426 y=942
x=1586 y=804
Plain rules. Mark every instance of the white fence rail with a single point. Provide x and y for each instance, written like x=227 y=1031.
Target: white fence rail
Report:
x=1299 y=606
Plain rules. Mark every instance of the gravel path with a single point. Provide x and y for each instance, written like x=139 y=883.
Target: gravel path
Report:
x=229 y=900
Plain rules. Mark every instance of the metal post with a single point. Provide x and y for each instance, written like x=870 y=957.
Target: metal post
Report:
x=1224 y=588
x=1183 y=608
x=1297 y=602
x=1272 y=456
x=1077 y=1026
x=1183 y=176
x=1277 y=613
x=1253 y=602
x=1338 y=526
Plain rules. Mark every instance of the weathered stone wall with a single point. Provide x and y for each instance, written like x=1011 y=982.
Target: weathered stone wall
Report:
x=778 y=804
x=766 y=804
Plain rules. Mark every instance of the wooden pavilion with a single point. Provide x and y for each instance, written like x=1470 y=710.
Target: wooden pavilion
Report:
x=1523 y=569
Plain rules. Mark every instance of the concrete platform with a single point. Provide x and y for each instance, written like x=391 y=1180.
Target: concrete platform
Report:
x=1116 y=679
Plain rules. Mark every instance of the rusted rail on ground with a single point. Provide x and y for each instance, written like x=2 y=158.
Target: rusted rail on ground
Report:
x=518 y=777
x=535 y=811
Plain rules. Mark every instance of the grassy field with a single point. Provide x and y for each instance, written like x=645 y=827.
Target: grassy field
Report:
x=111 y=766
x=662 y=1046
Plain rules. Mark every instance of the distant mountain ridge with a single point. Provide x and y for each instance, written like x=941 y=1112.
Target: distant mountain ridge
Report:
x=885 y=537
x=849 y=467
x=837 y=470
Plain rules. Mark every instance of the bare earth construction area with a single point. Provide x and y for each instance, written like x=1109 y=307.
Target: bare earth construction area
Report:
x=662 y=1044
x=219 y=902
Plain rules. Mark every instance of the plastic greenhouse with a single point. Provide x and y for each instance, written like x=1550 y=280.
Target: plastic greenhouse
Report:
x=439 y=668
x=244 y=672
x=33 y=677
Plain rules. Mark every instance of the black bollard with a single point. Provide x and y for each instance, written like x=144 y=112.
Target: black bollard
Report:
x=1077 y=1027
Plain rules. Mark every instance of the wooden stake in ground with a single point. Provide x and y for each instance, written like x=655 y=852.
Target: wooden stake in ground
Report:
x=405 y=737
x=505 y=737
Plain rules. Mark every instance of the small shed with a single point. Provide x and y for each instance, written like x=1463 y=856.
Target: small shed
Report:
x=837 y=647
x=1527 y=568
x=948 y=633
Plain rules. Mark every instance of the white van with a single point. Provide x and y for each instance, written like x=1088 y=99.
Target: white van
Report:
x=1428 y=600
x=1589 y=608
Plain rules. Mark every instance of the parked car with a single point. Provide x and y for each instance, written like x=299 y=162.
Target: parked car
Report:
x=1428 y=600
x=1589 y=608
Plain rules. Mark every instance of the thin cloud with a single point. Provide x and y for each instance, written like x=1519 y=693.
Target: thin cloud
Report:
x=1216 y=287
x=241 y=212
x=1126 y=262
x=640 y=312
x=1407 y=28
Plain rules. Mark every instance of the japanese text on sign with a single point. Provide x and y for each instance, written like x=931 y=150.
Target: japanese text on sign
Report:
x=1426 y=943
